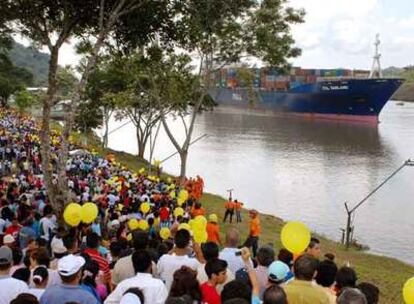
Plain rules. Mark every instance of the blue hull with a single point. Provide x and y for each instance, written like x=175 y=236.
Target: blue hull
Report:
x=354 y=99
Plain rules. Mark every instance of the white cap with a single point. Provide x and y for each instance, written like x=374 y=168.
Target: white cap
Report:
x=130 y=298
x=70 y=264
x=8 y=239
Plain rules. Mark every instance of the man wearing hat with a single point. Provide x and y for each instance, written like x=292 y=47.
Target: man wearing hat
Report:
x=9 y=240
x=10 y=287
x=213 y=229
x=70 y=271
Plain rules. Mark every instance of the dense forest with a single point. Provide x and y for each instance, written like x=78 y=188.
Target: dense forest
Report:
x=31 y=59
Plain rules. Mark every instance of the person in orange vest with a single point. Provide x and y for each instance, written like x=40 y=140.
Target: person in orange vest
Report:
x=229 y=206
x=254 y=231
x=197 y=210
x=213 y=229
x=238 y=207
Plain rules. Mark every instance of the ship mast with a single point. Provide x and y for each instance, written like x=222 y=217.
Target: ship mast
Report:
x=376 y=64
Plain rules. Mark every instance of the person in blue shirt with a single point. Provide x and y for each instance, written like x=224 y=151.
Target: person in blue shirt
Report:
x=70 y=271
x=26 y=233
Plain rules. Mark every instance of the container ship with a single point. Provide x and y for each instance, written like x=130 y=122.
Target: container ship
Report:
x=337 y=94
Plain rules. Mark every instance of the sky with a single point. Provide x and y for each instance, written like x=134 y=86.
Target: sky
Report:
x=341 y=34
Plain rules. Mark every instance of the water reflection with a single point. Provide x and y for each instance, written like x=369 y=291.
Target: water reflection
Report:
x=305 y=170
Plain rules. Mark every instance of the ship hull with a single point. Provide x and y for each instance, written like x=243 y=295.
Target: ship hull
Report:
x=351 y=99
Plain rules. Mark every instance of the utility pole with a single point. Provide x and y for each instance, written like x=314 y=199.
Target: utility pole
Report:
x=350 y=212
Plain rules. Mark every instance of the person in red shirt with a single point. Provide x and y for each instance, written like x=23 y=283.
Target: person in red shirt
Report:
x=164 y=213
x=14 y=229
x=92 y=243
x=213 y=229
x=216 y=271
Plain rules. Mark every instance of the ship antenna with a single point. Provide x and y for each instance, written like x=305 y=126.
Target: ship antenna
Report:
x=376 y=64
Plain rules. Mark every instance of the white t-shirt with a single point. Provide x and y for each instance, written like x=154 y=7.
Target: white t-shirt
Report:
x=168 y=264
x=153 y=289
x=2 y=226
x=37 y=292
x=234 y=262
x=10 y=288
x=47 y=224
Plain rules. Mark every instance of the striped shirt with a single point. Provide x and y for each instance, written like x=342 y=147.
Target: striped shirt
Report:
x=103 y=263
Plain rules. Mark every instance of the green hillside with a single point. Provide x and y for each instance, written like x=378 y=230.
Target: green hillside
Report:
x=31 y=59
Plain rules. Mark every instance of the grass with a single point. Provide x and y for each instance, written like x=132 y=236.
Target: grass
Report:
x=387 y=273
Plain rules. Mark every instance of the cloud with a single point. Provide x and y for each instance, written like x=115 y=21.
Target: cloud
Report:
x=342 y=33
x=407 y=23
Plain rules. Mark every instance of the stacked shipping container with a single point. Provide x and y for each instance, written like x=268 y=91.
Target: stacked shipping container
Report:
x=272 y=79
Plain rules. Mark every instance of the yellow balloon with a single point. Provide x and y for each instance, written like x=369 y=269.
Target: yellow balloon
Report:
x=169 y=180
x=129 y=237
x=145 y=207
x=184 y=226
x=183 y=195
x=172 y=194
x=180 y=201
x=178 y=211
x=295 y=237
x=141 y=171
x=89 y=213
x=143 y=225
x=200 y=223
x=191 y=223
x=408 y=291
x=165 y=233
x=133 y=224
x=200 y=236
x=157 y=163
x=72 y=214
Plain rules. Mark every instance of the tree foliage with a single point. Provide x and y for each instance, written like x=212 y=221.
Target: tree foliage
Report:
x=31 y=59
x=24 y=100
x=12 y=78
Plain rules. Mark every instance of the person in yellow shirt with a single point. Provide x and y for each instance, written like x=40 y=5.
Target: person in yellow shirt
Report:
x=254 y=231
x=302 y=290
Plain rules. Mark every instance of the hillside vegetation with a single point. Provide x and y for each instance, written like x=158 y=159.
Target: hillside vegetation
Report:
x=31 y=59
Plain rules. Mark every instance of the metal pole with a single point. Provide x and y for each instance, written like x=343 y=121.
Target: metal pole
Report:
x=121 y=126
x=380 y=185
x=193 y=142
x=351 y=211
x=348 y=226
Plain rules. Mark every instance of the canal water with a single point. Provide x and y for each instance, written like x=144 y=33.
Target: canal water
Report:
x=305 y=170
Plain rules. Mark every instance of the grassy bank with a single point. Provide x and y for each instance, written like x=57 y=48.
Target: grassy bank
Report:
x=387 y=273
x=405 y=92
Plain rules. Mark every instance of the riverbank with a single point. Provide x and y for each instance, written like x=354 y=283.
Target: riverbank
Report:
x=387 y=273
x=405 y=92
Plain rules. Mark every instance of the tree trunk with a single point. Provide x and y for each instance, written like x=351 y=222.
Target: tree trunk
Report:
x=183 y=167
x=141 y=144
x=106 y=134
x=47 y=169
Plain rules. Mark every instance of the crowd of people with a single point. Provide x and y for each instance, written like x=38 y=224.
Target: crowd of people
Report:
x=113 y=260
